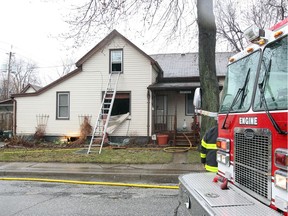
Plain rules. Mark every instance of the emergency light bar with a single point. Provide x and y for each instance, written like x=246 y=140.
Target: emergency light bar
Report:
x=253 y=32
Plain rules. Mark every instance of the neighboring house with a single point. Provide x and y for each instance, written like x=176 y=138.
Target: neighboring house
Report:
x=30 y=88
x=7 y=106
x=158 y=99
x=6 y=115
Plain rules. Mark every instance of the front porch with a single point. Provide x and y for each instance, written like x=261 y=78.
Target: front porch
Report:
x=167 y=124
x=173 y=111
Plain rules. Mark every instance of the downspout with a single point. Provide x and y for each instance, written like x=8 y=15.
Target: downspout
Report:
x=148 y=114
x=14 y=116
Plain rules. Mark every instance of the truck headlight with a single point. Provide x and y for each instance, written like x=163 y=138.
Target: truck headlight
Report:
x=223 y=157
x=281 y=179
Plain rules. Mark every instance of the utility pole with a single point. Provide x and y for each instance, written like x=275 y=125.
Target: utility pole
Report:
x=9 y=71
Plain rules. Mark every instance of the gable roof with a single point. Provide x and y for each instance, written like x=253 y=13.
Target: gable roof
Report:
x=34 y=87
x=106 y=40
x=80 y=62
x=176 y=65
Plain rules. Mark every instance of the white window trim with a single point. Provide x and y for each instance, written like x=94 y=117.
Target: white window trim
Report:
x=58 y=106
x=111 y=62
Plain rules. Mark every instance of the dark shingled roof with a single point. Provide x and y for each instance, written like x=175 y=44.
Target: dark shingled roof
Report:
x=186 y=64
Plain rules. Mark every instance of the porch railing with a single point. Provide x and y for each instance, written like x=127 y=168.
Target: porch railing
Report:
x=164 y=123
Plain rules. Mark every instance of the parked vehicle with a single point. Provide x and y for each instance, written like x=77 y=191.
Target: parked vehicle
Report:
x=252 y=154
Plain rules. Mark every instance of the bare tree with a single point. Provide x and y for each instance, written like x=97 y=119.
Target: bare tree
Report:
x=3 y=83
x=22 y=73
x=279 y=9
x=170 y=17
x=228 y=25
x=232 y=19
x=67 y=66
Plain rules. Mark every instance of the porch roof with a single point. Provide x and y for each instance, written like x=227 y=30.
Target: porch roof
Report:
x=174 y=86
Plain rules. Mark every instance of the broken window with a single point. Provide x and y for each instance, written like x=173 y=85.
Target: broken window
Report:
x=121 y=104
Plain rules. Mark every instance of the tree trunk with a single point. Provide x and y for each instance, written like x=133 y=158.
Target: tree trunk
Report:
x=207 y=68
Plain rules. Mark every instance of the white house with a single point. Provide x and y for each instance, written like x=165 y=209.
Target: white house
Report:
x=157 y=98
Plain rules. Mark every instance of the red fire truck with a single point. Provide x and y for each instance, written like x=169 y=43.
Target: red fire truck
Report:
x=252 y=146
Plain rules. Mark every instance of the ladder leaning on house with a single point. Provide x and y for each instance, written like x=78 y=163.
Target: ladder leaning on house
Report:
x=105 y=111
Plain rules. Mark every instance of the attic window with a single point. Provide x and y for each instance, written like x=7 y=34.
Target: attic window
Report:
x=116 y=61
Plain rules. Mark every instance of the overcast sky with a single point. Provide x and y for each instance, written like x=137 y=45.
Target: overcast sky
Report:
x=29 y=28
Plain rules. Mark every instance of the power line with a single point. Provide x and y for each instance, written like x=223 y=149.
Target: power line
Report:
x=55 y=66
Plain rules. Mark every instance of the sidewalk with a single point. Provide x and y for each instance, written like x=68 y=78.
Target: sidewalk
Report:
x=152 y=173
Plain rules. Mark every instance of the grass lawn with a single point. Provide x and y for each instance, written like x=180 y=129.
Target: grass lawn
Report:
x=108 y=155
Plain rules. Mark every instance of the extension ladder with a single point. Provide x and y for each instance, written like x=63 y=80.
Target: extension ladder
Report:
x=105 y=111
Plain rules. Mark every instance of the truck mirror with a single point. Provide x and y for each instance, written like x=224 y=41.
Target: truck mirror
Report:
x=197 y=98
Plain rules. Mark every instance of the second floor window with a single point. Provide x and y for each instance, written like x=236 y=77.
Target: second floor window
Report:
x=116 y=61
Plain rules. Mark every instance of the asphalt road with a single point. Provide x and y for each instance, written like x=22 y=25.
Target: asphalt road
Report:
x=38 y=198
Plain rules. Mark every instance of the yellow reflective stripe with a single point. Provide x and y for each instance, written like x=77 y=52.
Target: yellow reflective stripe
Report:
x=211 y=146
x=211 y=168
x=202 y=155
x=208 y=145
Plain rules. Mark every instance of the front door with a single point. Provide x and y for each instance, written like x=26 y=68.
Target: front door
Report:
x=161 y=113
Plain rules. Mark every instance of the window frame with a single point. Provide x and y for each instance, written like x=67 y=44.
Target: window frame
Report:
x=121 y=95
x=58 y=94
x=111 y=62
x=187 y=104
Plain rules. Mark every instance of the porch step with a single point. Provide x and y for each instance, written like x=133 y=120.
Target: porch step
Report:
x=180 y=139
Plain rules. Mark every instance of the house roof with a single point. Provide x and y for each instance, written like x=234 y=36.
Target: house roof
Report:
x=186 y=64
x=7 y=102
x=34 y=87
x=106 y=40
x=56 y=82
x=79 y=63
x=6 y=105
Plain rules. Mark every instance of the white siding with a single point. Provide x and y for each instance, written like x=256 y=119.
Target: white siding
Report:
x=85 y=95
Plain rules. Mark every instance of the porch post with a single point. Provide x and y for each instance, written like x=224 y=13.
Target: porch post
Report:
x=175 y=123
x=148 y=113
x=175 y=117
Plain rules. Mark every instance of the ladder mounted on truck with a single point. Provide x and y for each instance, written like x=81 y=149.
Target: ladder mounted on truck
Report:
x=105 y=110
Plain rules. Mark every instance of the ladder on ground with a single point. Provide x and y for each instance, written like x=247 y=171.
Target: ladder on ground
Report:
x=104 y=114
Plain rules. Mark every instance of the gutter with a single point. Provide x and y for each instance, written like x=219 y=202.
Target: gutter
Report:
x=14 y=116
